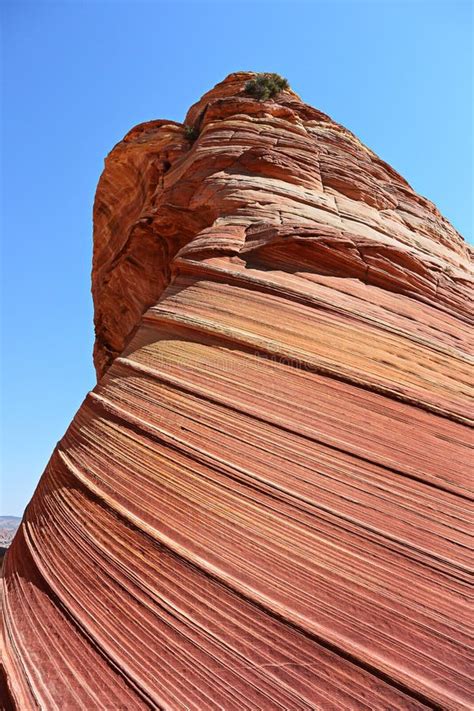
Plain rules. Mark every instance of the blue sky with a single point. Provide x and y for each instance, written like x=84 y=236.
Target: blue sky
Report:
x=78 y=75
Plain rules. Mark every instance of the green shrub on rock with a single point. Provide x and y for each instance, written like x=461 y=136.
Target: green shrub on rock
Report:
x=191 y=133
x=266 y=86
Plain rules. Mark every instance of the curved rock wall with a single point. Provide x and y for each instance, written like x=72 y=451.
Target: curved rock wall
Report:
x=264 y=503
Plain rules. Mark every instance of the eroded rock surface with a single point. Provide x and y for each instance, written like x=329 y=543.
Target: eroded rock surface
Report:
x=265 y=501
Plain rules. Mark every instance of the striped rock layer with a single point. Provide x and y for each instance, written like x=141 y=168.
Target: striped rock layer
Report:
x=264 y=503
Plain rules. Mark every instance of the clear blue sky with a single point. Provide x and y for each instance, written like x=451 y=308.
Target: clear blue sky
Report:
x=78 y=75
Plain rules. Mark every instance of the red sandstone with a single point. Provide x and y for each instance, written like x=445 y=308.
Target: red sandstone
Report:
x=265 y=501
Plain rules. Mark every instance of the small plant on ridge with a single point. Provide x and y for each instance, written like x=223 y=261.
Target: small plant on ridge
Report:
x=191 y=133
x=266 y=86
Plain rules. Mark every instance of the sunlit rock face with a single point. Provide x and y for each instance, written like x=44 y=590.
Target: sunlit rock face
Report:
x=264 y=503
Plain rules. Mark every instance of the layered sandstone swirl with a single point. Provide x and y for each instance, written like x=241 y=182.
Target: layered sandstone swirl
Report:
x=265 y=501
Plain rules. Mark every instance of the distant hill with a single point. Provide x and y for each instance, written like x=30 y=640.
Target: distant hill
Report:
x=8 y=526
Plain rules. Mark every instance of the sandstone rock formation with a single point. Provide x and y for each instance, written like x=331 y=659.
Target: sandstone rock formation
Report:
x=265 y=501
